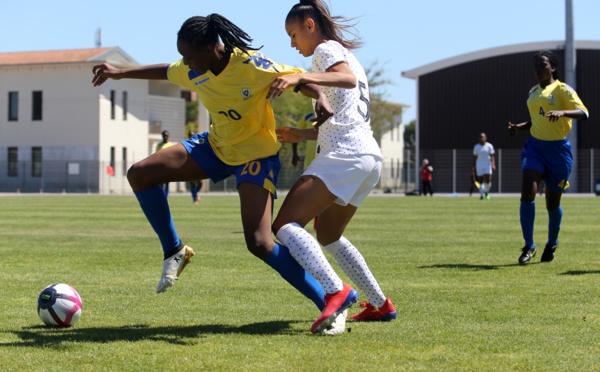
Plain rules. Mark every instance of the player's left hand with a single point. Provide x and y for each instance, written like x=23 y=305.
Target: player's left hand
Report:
x=554 y=115
x=280 y=84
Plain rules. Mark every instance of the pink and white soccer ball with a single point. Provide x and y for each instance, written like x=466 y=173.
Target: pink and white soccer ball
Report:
x=59 y=305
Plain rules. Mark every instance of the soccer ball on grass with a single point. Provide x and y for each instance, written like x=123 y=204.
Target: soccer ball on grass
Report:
x=59 y=305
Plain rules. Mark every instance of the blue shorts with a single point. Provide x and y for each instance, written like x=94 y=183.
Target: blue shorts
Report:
x=262 y=172
x=551 y=158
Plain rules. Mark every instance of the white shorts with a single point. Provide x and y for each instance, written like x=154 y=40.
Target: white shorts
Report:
x=481 y=170
x=349 y=177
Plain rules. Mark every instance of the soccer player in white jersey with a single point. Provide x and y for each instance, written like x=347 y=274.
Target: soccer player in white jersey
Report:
x=483 y=165
x=345 y=170
x=546 y=154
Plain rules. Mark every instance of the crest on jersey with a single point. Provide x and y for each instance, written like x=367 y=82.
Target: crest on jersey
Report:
x=246 y=93
x=551 y=98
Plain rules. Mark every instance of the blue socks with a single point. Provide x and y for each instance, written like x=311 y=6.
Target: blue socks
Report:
x=194 y=190
x=156 y=208
x=527 y=213
x=554 y=220
x=290 y=270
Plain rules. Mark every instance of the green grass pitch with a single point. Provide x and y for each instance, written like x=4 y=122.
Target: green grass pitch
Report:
x=449 y=264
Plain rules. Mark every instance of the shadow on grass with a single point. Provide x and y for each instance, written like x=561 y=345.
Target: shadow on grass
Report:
x=580 y=272
x=469 y=266
x=41 y=336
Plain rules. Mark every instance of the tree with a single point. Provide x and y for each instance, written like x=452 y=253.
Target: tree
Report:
x=191 y=116
x=288 y=110
x=383 y=114
x=409 y=135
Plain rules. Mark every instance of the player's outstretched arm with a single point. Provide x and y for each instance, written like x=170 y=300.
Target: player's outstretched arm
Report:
x=105 y=71
x=514 y=128
x=294 y=135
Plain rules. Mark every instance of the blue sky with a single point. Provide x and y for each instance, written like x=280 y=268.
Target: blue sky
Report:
x=400 y=35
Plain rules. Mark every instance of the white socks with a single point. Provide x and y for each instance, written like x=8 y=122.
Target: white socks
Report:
x=485 y=188
x=306 y=250
x=354 y=265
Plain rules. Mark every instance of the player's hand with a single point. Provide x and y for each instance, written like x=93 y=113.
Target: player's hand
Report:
x=323 y=110
x=280 y=84
x=103 y=72
x=288 y=135
x=512 y=128
x=555 y=115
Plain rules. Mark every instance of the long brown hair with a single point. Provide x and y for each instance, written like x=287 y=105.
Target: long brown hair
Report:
x=333 y=27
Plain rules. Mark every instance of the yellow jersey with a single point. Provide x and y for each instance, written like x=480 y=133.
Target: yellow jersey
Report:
x=556 y=96
x=164 y=145
x=243 y=124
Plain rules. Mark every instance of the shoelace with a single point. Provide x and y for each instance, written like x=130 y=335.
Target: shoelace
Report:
x=367 y=305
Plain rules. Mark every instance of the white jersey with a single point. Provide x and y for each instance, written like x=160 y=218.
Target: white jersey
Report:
x=483 y=153
x=348 y=131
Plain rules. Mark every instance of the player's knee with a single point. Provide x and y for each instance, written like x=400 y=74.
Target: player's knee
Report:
x=527 y=197
x=327 y=237
x=259 y=246
x=134 y=176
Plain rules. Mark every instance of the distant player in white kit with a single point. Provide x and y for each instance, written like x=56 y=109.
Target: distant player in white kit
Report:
x=484 y=164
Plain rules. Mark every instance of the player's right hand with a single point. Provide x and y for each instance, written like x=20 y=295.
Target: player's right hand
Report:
x=103 y=72
x=512 y=128
x=288 y=135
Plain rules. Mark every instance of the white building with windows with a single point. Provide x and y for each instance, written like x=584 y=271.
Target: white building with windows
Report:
x=58 y=133
x=392 y=149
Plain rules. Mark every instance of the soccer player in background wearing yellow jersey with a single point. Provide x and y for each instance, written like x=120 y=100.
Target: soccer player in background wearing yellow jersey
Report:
x=345 y=170
x=310 y=146
x=546 y=154
x=195 y=186
x=232 y=80
x=163 y=145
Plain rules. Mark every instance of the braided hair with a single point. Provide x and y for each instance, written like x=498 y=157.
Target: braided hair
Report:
x=333 y=27
x=202 y=31
x=551 y=57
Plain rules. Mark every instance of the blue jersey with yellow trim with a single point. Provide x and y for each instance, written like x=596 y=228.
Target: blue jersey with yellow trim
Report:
x=243 y=124
x=555 y=96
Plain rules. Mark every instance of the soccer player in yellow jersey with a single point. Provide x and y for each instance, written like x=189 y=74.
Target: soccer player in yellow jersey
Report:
x=310 y=146
x=546 y=154
x=232 y=80
x=163 y=145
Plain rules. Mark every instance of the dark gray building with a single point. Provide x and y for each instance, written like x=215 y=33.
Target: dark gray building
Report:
x=460 y=97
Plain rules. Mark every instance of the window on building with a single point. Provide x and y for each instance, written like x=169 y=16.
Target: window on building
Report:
x=112 y=157
x=124 y=161
x=124 y=105
x=13 y=161
x=36 y=108
x=112 y=105
x=186 y=95
x=13 y=106
x=36 y=162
